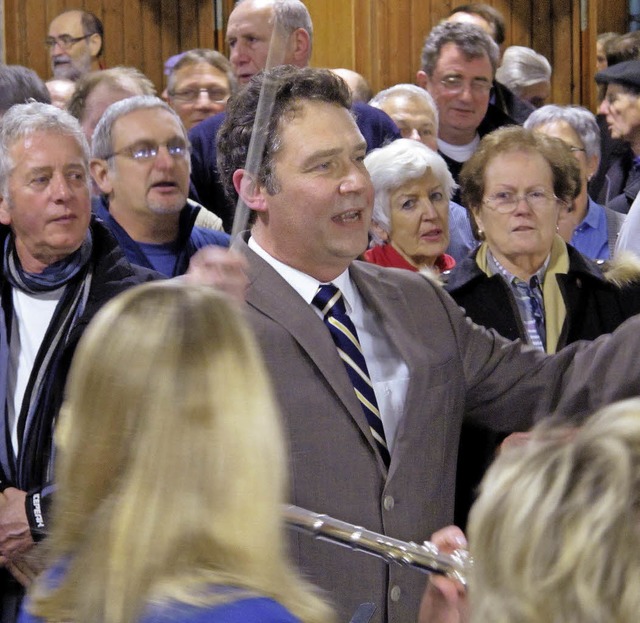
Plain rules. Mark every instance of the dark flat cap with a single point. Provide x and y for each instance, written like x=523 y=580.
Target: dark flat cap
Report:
x=626 y=73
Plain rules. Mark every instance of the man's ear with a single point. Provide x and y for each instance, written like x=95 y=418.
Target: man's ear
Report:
x=592 y=166
x=422 y=79
x=249 y=190
x=100 y=174
x=300 y=43
x=5 y=213
x=95 y=43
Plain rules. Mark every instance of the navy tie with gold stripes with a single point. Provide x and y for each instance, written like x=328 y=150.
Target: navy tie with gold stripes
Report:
x=331 y=303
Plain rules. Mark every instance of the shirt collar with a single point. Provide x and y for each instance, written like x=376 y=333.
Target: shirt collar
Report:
x=496 y=267
x=306 y=285
x=592 y=217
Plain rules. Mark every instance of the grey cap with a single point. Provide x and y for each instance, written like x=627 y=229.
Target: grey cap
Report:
x=626 y=73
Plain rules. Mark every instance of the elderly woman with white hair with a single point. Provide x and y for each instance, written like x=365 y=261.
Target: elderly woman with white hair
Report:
x=526 y=73
x=410 y=223
x=415 y=113
x=588 y=226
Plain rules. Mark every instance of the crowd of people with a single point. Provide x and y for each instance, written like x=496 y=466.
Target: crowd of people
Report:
x=360 y=303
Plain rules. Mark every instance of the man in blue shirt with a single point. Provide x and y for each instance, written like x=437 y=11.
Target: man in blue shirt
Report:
x=141 y=165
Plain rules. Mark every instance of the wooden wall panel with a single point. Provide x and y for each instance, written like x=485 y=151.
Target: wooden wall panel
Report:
x=382 y=39
x=140 y=33
x=334 y=32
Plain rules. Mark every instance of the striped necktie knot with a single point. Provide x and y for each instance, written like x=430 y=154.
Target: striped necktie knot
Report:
x=330 y=301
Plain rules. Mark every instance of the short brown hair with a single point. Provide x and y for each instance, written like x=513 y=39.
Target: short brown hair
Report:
x=564 y=168
x=291 y=85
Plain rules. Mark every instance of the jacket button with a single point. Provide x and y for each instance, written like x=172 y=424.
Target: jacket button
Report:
x=396 y=593
x=388 y=502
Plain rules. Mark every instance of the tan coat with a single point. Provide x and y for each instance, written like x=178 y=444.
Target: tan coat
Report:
x=457 y=370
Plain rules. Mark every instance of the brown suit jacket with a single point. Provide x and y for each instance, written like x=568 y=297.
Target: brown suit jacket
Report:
x=457 y=370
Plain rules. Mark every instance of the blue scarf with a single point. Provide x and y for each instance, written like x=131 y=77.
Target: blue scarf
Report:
x=52 y=277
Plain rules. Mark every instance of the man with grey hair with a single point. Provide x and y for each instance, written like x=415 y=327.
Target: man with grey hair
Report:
x=459 y=62
x=141 y=166
x=589 y=227
x=412 y=109
x=249 y=31
x=490 y=20
x=60 y=266
x=99 y=89
x=199 y=85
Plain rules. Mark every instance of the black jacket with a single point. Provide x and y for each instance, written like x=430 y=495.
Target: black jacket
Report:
x=596 y=303
x=31 y=472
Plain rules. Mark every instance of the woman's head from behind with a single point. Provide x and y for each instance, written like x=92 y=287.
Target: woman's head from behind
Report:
x=526 y=73
x=516 y=184
x=170 y=444
x=555 y=533
x=412 y=187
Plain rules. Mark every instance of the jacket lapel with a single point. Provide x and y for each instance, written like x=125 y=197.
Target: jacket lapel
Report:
x=273 y=297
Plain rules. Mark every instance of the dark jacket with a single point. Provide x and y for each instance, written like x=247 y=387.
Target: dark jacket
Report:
x=190 y=237
x=616 y=159
x=112 y=274
x=596 y=303
x=510 y=104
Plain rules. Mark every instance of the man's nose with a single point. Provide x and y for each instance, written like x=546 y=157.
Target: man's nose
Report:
x=203 y=100
x=163 y=160
x=603 y=109
x=237 y=54
x=355 y=179
x=60 y=189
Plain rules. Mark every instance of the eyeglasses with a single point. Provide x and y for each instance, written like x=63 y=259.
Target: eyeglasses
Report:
x=573 y=148
x=455 y=84
x=216 y=95
x=145 y=152
x=65 y=41
x=507 y=201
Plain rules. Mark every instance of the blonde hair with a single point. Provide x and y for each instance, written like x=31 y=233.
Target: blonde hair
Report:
x=172 y=465
x=555 y=533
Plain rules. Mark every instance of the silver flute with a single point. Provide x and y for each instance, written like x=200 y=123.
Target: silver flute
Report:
x=424 y=557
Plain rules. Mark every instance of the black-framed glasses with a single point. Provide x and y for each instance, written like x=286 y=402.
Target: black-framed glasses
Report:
x=506 y=201
x=65 y=41
x=147 y=151
x=215 y=94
